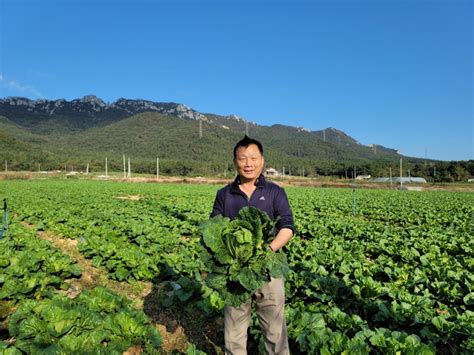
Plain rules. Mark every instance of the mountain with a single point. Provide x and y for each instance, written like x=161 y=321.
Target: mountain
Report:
x=86 y=130
x=84 y=113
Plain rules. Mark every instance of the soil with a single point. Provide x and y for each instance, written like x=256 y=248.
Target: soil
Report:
x=282 y=181
x=310 y=182
x=130 y=197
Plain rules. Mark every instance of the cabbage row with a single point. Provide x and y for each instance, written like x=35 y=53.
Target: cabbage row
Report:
x=30 y=267
x=95 y=322
x=35 y=317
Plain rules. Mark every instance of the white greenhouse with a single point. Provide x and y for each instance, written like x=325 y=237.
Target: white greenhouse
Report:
x=404 y=180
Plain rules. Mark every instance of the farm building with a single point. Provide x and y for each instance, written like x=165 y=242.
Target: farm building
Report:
x=271 y=172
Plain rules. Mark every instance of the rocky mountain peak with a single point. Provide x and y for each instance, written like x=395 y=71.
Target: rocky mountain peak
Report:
x=93 y=100
x=93 y=107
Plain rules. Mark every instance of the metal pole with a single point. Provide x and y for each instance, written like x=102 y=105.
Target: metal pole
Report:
x=124 y=167
x=353 y=202
x=401 y=175
x=157 y=168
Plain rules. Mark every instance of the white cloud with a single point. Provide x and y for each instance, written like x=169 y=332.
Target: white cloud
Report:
x=16 y=86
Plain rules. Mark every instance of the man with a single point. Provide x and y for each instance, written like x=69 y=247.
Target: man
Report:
x=251 y=189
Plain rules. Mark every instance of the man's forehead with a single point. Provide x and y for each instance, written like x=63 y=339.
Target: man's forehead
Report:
x=250 y=149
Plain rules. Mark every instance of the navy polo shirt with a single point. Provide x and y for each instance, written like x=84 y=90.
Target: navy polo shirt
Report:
x=267 y=197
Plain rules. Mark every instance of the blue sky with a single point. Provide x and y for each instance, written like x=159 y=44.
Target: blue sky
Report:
x=395 y=73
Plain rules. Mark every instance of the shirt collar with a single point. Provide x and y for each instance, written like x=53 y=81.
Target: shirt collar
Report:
x=260 y=182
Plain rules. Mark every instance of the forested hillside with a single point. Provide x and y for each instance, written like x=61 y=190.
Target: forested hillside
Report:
x=60 y=134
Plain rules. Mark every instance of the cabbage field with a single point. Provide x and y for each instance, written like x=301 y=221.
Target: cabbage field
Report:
x=371 y=271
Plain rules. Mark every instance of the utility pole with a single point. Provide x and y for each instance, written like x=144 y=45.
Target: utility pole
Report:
x=39 y=167
x=324 y=135
x=106 y=168
x=87 y=169
x=246 y=128
x=401 y=175
x=390 y=176
x=200 y=129
x=124 y=168
x=157 y=168
x=6 y=166
x=129 y=170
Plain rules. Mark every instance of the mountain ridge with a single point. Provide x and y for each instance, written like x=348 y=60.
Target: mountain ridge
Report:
x=58 y=133
x=98 y=110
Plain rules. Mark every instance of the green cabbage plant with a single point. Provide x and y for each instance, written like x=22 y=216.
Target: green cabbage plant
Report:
x=237 y=256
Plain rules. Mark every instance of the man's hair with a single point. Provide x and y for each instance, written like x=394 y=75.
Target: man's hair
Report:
x=245 y=142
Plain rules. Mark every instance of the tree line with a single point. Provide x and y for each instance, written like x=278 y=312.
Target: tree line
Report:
x=432 y=171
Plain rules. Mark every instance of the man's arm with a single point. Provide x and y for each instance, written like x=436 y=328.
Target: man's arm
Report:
x=285 y=224
x=218 y=208
x=283 y=236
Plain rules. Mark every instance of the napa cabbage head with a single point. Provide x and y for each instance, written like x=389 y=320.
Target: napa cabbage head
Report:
x=236 y=255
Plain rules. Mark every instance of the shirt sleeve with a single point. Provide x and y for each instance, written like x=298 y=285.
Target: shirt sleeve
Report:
x=283 y=211
x=218 y=208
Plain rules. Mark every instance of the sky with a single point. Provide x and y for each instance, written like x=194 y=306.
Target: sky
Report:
x=398 y=73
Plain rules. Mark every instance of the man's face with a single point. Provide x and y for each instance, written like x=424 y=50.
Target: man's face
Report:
x=249 y=162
